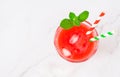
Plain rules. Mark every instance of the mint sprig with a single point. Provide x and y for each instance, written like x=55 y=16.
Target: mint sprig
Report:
x=74 y=20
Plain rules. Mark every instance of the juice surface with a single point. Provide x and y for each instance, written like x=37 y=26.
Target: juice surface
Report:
x=73 y=44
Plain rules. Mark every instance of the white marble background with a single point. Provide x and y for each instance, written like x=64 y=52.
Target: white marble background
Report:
x=27 y=29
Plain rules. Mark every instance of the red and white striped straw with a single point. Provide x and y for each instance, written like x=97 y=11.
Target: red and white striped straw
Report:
x=96 y=22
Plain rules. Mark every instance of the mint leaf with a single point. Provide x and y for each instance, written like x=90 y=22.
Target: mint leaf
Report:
x=66 y=24
x=72 y=16
x=76 y=22
x=83 y=16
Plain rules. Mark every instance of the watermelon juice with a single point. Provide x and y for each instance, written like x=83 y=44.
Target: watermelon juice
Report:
x=73 y=45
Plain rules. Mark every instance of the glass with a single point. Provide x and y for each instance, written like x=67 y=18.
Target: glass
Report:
x=74 y=45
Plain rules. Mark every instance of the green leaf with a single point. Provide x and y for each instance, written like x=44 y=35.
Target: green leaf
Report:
x=76 y=22
x=83 y=16
x=72 y=16
x=66 y=24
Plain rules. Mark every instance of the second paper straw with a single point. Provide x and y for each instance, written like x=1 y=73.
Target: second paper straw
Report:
x=96 y=22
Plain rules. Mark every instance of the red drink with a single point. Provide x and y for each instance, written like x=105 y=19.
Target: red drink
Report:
x=73 y=44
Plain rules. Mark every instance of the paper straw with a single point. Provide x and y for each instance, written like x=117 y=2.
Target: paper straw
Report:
x=101 y=36
x=96 y=22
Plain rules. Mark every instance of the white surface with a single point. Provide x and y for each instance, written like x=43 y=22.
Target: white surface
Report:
x=27 y=29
